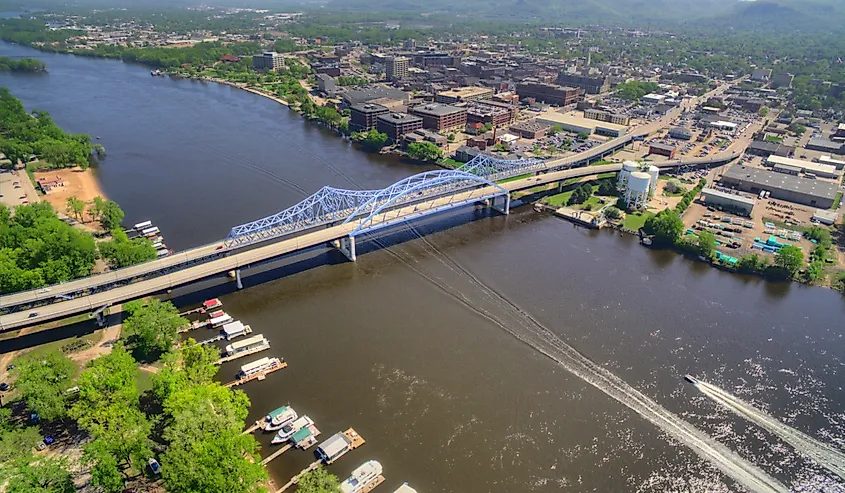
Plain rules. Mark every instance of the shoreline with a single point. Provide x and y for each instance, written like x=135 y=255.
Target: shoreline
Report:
x=83 y=185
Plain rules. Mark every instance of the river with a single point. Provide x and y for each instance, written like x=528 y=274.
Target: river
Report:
x=462 y=351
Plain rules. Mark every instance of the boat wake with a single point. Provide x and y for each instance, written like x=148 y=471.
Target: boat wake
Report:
x=825 y=455
x=533 y=333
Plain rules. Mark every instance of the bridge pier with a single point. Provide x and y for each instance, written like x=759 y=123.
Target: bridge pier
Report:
x=346 y=245
x=238 y=278
x=506 y=205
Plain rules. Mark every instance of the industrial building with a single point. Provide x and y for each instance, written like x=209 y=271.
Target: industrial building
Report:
x=680 y=133
x=269 y=60
x=729 y=127
x=372 y=93
x=737 y=203
x=781 y=186
x=396 y=124
x=463 y=94
x=362 y=116
x=766 y=149
x=662 y=150
x=549 y=93
x=807 y=167
x=606 y=116
x=440 y=117
x=836 y=163
x=653 y=99
x=578 y=124
x=530 y=130
x=828 y=146
x=396 y=68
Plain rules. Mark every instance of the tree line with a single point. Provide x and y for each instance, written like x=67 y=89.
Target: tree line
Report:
x=23 y=65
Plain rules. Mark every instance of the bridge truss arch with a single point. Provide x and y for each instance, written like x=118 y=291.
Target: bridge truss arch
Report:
x=494 y=168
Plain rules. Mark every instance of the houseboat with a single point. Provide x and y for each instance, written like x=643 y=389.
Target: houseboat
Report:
x=405 y=489
x=235 y=329
x=333 y=448
x=279 y=417
x=305 y=437
x=143 y=225
x=288 y=429
x=363 y=476
x=220 y=320
x=162 y=252
x=258 y=366
x=212 y=304
x=153 y=231
x=250 y=345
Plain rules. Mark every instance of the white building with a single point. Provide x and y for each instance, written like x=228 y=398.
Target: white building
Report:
x=653 y=98
x=818 y=169
x=268 y=60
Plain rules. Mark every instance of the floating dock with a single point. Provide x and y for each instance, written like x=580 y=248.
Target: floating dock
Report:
x=356 y=439
x=278 y=365
x=372 y=484
x=233 y=357
x=275 y=454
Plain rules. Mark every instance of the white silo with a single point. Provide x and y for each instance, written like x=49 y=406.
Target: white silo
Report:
x=636 y=192
x=628 y=167
x=653 y=172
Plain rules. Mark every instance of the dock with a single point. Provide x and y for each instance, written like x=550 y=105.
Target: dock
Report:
x=213 y=339
x=258 y=376
x=295 y=479
x=226 y=359
x=275 y=454
x=190 y=312
x=198 y=324
x=356 y=439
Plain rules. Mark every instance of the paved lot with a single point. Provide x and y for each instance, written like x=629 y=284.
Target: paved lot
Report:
x=16 y=189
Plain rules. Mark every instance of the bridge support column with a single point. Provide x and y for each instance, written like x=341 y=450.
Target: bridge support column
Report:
x=506 y=204
x=347 y=247
x=238 y=278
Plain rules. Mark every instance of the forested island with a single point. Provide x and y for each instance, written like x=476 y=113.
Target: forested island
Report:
x=23 y=65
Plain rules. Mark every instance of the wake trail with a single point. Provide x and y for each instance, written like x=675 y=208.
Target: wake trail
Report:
x=532 y=333
x=825 y=455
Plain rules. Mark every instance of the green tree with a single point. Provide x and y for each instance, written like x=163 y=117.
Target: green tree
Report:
x=75 y=207
x=424 y=151
x=607 y=188
x=190 y=364
x=48 y=475
x=42 y=382
x=222 y=461
x=17 y=445
x=555 y=129
x=580 y=194
x=123 y=252
x=318 y=481
x=197 y=410
x=105 y=472
x=486 y=127
x=96 y=208
x=451 y=137
x=820 y=235
x=111 y=215
x=583 y=136
x=371 y=141
x=155 y=327
x=751 y=264
x=611 y=213
x=706 y=244
x=790 y=258
x=666 y=226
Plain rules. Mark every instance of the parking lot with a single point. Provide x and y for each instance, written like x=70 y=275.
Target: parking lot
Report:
x=16 y=189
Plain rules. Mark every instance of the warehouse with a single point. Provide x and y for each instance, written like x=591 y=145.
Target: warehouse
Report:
x=728 y=201
x=578 y=124
x=805 y=191
x=817 y=169
x=836 y=163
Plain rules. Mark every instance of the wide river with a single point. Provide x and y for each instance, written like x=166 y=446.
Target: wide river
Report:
x=474 y=352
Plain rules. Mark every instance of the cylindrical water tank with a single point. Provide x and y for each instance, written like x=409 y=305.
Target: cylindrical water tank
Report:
x=653 y=171
x=636 y=191
x=628 y=167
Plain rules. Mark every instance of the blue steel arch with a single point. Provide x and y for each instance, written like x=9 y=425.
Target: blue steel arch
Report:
x=416 y=187
x=330 y=205
x=494 y=168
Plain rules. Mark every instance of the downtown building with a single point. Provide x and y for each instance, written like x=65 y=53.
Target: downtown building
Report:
x=269 y=60
x=549 y=93
x=591 y=84
x=440 y=117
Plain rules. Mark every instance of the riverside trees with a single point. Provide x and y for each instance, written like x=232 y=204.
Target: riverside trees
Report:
x=42 y=382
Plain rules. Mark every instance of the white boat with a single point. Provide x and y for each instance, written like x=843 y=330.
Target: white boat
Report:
x=258 y=366
x=154 y=231
x=289 y=429
x=143 y=225
x=362 y=476
x=250 y=344
x=233 y=329
x=405 y=489
x=279 y=417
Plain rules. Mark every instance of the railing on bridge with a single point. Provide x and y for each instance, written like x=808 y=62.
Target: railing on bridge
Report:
x=495 y=169
x=333 y=205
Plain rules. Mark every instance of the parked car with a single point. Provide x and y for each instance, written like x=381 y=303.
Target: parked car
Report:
x=4 y=387
x=155 y=467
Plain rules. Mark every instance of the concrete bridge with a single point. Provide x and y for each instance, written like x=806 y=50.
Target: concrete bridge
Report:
x=331 y=215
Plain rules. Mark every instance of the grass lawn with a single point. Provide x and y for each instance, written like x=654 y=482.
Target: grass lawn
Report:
x=773 y=139
x=781 y=224
x=636 y=220
x=560 y=199
x=592 y=202
x=450 y=163
x=144 y=381
x=601 y=162
x=514 y=178
x=603 y=176
x=836 y=201
x=49 y=347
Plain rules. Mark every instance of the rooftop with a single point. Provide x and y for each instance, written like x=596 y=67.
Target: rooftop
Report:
x=365 y=94
x=665 y=147
x=802 y=165
x=369 y=108
x=394 y=118
x=569 y=119
x=463 y=92
x=437 y=109
x=730 y=196
x=530 y=126
x=769 y=179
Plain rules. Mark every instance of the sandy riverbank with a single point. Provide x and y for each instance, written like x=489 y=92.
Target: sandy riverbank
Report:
x=80 y=184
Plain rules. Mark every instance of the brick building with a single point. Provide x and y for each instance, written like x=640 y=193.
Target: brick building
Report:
x=362 y=116
x=662 y=150
x=439 y=117
x=463 y=94
x=549 y=93
x=589 y=83
x=396 y=124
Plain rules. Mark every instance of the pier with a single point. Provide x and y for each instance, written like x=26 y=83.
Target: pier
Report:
x=191 y=312
x=295 y=479
x=356 y=439
x=213 y=339
x=275 y=454
x=260 y=375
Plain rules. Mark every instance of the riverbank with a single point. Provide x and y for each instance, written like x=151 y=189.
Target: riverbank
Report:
x=83 y=185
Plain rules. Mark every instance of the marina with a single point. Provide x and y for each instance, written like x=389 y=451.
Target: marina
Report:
x=289 y=429
x=252 y=345
x=337 y=445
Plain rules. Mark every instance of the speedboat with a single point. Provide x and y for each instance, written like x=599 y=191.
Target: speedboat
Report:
x=279 y=417
x=289 y=429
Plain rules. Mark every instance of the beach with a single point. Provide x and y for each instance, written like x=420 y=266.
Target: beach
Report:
x=77 y=183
